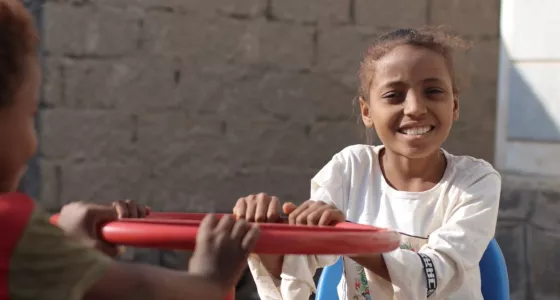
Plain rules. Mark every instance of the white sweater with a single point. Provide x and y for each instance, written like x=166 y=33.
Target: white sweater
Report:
x=444 y=231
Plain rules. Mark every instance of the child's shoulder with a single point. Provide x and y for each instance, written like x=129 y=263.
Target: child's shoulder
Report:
x=469 y=163
x=469 y=168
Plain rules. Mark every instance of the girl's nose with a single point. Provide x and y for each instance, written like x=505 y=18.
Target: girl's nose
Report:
x=414 y=105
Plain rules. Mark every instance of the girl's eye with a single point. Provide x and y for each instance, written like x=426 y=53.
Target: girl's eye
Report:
x=434 y=91
x=389 y=95
x=392 y=95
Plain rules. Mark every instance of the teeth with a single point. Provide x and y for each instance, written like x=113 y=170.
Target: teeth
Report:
x=416 y=130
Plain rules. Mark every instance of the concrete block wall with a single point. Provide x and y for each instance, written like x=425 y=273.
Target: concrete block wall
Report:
x=528 y=232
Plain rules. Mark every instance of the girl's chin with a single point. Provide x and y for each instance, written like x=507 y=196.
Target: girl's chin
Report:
x=416 y=151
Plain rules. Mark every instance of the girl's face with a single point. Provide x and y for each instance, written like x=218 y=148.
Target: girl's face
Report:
x=411 y=102
x=17 y=128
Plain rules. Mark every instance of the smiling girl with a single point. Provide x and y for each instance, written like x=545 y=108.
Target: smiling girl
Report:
x=445 y=206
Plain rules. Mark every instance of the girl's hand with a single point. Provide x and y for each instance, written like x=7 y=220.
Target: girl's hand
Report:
x=130 y=209
x=260 y=208
x=313 y=213
x=264 y=208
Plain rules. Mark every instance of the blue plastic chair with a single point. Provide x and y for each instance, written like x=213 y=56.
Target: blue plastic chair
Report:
x=493 y=273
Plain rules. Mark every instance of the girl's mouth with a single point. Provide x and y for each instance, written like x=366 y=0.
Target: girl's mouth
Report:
x=416 y=131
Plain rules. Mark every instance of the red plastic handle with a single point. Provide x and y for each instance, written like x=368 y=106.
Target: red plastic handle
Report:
x=177 y=231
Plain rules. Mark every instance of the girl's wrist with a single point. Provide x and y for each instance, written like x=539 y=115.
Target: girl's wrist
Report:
x=365 y=256
x=273 y=264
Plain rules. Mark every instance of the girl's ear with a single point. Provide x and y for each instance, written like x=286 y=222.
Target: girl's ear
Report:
x=455 y=107
x=364 y=109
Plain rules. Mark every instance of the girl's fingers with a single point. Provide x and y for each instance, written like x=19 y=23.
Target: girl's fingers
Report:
x=331 y=216
x=122 y=209
x=240 y=208
x=142 y=211
x=273 y=212
x=288 y=208
x=294 y=215
x=251 y=208
x=261 y=208
x=132 y=208
x=314 y=217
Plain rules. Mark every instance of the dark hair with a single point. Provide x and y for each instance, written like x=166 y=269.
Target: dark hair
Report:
x=18 y=40
x=433 y=38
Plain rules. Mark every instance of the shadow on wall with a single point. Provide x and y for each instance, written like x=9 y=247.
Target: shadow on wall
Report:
x=528 y=118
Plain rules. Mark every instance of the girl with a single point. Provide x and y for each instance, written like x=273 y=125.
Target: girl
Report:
x=444 y=206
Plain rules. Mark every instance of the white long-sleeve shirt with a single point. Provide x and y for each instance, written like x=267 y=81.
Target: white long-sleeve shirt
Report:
x=444 y=231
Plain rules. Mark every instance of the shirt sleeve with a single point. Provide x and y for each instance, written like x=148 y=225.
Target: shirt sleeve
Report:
x=46 y=264
x=439 y=267
x=296 y=281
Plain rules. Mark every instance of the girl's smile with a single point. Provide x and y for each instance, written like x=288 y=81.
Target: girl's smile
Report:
x=415 y=131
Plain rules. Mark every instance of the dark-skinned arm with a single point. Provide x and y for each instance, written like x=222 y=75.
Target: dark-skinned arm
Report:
x=375 y=263
x=144 y=282
x=273 y=263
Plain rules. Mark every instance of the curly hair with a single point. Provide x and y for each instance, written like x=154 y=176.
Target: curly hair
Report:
x=433 y=38
x=18 y=41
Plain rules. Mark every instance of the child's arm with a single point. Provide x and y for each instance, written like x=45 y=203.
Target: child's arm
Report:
x=138 y=282
x=439 y=267
x=38 y=261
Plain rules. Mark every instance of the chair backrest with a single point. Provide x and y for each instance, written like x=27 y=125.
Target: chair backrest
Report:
x=493 y=273
x=329 y=280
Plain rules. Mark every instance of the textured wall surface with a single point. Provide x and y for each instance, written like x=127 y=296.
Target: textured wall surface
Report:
x=529 y=234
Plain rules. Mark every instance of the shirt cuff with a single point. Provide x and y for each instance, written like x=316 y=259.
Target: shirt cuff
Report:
x=408 y=274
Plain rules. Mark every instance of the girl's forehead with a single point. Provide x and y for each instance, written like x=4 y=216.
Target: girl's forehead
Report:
x=408 y=62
